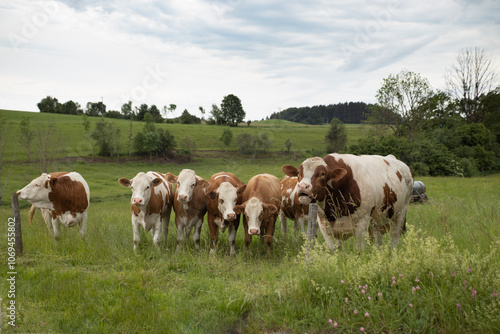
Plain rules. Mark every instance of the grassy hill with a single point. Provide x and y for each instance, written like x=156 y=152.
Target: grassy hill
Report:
x=70 y=129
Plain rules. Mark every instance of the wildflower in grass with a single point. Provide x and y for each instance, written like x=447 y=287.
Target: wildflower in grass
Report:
x=453 y=274
x=465 y=284
x=365 y=286
x=346 y=300
x=369 y=298
x=393 y=278
x=359 y=286
x=410 y=305
x=355 y=311
x=363 y=291
x=418 y=288
x=459 y=306
x=495 y=294
x=379 y=294
x=43 y=323
x=413 y=289
x=469 y=269
x=362 y=329
x=474 y=293
x=367 y=314
x=342 y=281
x=330 y=321
x=417 y=280
x=400 y=275
x=393 y=282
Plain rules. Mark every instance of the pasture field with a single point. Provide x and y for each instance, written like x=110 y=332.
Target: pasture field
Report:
x=75 y=144
x=443 y=278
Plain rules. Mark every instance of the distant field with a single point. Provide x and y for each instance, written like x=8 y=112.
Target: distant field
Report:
x=70 y=129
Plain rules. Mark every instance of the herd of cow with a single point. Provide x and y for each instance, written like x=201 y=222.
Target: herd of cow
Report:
x=356 y=195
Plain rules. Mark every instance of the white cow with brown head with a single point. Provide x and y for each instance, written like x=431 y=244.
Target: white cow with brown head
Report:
x=63 y=199
x=151 y=201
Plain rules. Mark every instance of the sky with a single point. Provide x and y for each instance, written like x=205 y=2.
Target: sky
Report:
x=271 y=54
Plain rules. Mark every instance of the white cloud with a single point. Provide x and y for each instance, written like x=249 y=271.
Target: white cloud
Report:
x=271 y=55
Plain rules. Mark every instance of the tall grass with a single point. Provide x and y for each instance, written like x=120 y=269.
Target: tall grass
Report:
x=446 y=267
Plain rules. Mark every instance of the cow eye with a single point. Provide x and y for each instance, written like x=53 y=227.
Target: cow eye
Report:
x=147 y=187
x=37 y=185
x=221 y=201
x=192 y=186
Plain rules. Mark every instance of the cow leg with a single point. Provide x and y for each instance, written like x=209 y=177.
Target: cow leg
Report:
x=136 y=232
x=156 y=233
x=181 y=231
x=397 y=227
x=326 y=230
x=233 y=229
x=268 y=238
x=283 y=223
x=56 y=225
x=214 y=235
x=197 y=232
x=165 y=222
x=362 y=231
x=83 y=225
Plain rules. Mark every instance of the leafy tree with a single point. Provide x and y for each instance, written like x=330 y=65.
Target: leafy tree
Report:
x=187 y=118
x=86 y=130
x=216 y=115
x=469 y=78
x=127 y=110
x=188 y=146
x=49 y=145
x=71 y=108
x=404 y=93
x=336 y=137
x=49 y=104
x=26 y=135
x=103 y=134
x=143 y=109
x=246 y=143
x=288 y=145
x=155 y=112
x=153 y=141
x=95 y=109
x=226 y=137
x=232 y=110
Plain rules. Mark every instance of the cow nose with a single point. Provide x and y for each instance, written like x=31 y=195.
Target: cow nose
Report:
x=231 y=216
x=254 y=231
x=303 y=187
x=182 y=197
x=137 y=201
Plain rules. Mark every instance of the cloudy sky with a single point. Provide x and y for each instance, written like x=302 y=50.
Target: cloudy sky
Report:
x=271 y=54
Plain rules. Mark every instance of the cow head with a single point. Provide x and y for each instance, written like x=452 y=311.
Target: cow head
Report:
x=255 y=212
x=37 y=191
x=314 y=177
x=227 y=196
x=141 y=186
x=186 y=183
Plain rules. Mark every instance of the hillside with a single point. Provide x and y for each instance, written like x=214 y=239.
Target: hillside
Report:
x=71 y=136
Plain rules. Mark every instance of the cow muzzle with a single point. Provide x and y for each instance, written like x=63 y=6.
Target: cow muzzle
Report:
x=230 y=216
x=182 y=198
x=304 y=192
x=137 y=201
x=253 y=231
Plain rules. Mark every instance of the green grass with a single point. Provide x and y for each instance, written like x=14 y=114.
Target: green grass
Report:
x=101 y=286
x=69 y=128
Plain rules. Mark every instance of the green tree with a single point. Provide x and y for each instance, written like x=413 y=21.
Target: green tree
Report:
x=232 y=110
x=86 y=130
x=95 y=109
x=26 y=135
x=104 y=134
x=216 y=115
x=336 y=137
x=405 y=93
x=188 y=146
x=187 y=118
x=71 y=108
x=227 y=137
x=141 y=112
x=288 y=145
x=49 y=104
x=127 y=110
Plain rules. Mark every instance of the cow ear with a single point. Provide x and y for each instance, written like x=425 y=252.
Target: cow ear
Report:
x=212 y=194
x=53 y=181
x=156 y=182
x=171 y=177
x=240 y=190
x=239 y=208
x=290 y=170
x=270 y=208
x=336 y=175
x=125 y=182
x=203 y=183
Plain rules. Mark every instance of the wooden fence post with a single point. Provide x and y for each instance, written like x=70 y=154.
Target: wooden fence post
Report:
x=16 y=212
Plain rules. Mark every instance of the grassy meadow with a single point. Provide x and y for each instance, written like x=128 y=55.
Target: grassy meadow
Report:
x=443 y=278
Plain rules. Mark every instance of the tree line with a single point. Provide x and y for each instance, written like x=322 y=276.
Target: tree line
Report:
x=230 y=112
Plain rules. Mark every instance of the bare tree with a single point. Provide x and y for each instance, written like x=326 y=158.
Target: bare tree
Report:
x=26 y=135
x=472 y=76
x=50 y=145
x=4 y=138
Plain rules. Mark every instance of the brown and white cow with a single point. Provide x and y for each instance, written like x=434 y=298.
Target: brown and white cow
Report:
x=63 y=198
x=190 y=205
x=223 y=193
x=291 y=207
x=261 y=199
x=355 y=194
x=151 y=202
